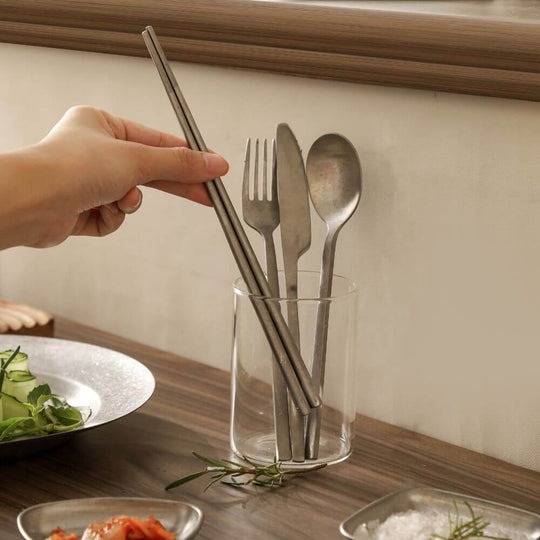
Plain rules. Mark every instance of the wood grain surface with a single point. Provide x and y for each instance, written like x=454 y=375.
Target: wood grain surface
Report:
x=472 y=46
x=140 y=454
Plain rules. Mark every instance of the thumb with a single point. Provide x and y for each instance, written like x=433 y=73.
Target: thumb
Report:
x=178 y=164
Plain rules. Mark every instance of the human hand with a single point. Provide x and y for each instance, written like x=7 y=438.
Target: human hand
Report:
x=84 y=176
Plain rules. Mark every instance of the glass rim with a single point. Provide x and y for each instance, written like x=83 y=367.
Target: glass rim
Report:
x=353 y=289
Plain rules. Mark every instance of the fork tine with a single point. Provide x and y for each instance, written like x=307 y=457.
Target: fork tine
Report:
x=265 y=173
x=245 y=182
x=274 y=186
x=256 y=171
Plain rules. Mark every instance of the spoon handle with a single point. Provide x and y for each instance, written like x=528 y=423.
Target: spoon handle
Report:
x=321 y=338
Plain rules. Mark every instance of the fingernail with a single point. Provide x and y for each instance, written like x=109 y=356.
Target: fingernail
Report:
x=215 y=164
x=112 y=208
x=131 y=209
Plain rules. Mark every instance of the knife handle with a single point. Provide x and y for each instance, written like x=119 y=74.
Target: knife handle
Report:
x=295 y=418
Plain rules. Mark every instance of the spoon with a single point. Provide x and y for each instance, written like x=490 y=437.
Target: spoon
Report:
x=335 y=184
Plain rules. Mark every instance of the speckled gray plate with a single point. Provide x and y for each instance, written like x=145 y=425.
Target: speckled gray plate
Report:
x=523 y=524
x=37 y=522
x=107 y=382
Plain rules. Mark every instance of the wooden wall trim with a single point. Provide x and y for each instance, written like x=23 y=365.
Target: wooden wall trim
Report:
x=464 y=54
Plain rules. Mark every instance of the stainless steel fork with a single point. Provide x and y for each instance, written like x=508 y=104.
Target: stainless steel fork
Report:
x=262 y=214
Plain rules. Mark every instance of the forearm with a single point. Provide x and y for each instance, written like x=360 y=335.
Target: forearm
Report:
x=28 y=200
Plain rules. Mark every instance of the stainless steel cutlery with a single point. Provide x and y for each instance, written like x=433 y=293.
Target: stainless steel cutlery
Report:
x=261 y=212
x=295 y=241
x=335 y=186
x=334 y=175
x=333 y=181
x=283 y=345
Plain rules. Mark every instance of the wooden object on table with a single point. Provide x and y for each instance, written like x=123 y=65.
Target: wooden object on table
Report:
x=22 y=319
x=140 y=454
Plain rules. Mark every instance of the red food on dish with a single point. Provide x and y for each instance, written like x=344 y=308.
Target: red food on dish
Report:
x=60 y=534
x=120 y=528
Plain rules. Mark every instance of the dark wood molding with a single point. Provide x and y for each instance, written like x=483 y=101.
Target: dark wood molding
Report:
x=465 y=52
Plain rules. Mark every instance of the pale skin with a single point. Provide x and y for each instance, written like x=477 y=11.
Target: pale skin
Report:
x=85 y=176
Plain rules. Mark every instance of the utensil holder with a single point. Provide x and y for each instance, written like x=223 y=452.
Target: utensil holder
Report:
x=252 y=416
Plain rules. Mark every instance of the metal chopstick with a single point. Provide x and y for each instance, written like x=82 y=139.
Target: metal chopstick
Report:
x=275 y=328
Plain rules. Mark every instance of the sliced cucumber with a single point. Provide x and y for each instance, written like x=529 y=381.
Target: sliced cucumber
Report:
x=20 y=362
x=18 y=383
x=11 y=407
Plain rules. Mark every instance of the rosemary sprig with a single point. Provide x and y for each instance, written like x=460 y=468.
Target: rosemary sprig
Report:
x=231 y=473
x=473 y=528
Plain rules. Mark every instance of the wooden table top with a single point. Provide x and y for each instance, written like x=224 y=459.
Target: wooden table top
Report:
x=138 y=455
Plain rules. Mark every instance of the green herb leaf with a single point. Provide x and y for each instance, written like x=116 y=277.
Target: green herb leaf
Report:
x=56 y=401
x=59 y=411
x=66 y=416
x=13 y=427
x=186 y=479
x=213 y=462
x=47 y=412
x=4 y=424
x=37 y=392
x=461 y=530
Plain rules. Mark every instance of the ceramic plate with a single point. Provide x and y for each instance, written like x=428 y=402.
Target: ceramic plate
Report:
x=106 y=383
x=522 y=524
x=74 y=515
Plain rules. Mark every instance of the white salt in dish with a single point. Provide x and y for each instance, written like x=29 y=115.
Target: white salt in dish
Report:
x=420 y=525
x=414 y=514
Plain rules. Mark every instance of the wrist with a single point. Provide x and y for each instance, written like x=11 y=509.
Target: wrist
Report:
x=28 y=200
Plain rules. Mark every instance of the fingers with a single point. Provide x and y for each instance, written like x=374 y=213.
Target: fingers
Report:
x=119 y=128
x=100 y=221
x=177 y=164
x=107 y=218
x=194 y=192
x=126 y=130
x=132 y=155
x=131 y=201
x=155 y=155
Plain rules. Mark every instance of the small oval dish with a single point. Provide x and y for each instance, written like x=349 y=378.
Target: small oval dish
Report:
x=519 y=523
x=74 y=515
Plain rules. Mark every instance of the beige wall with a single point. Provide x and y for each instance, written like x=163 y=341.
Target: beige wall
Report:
x=445 y=245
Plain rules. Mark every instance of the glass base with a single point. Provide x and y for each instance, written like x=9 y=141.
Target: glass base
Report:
x=262 y=449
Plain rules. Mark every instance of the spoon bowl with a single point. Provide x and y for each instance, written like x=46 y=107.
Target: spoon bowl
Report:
x=335 y=178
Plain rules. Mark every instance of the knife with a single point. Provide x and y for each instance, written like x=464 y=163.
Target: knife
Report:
x=295 y=225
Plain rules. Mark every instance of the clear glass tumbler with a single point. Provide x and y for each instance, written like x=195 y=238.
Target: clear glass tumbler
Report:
x=252 y=414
